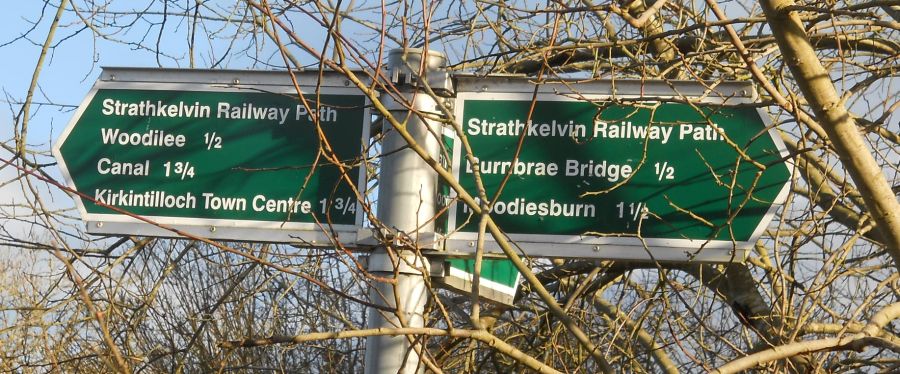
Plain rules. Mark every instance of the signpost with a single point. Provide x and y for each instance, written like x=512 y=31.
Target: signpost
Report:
x=631 y=180
x=224 y=154
x=633 y=170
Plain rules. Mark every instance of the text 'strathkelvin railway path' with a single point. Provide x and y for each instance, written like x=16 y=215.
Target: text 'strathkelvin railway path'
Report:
x=221 y=154
x=651 y=176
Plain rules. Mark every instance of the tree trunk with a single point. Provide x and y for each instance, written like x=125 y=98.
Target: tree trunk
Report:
x=815 y=83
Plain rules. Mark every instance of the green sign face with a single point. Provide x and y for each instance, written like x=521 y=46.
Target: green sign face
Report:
x=499 y=278
x=668 y=171
x=496 y=271
x=215 y=158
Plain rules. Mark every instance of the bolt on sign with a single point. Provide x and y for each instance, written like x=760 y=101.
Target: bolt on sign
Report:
x=220 y=154
x=678 y=172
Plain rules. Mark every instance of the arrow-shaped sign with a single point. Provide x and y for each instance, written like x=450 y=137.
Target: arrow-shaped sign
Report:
x=594 y=178
x=204 y=152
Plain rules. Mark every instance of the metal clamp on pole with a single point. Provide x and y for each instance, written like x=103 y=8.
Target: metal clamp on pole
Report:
x=407 y=204
x=405 y=66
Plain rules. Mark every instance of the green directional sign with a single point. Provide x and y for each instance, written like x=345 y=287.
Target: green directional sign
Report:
x=226 y=159
x=589 y=172
x=498 y=282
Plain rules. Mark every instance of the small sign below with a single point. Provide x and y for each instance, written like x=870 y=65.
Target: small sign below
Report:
x=499 y=279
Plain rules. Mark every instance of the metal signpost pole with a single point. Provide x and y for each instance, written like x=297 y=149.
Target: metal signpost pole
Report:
x=406 y=203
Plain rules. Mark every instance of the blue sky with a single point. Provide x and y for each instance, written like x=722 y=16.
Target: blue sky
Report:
x=73 y=64
x=114 y=36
